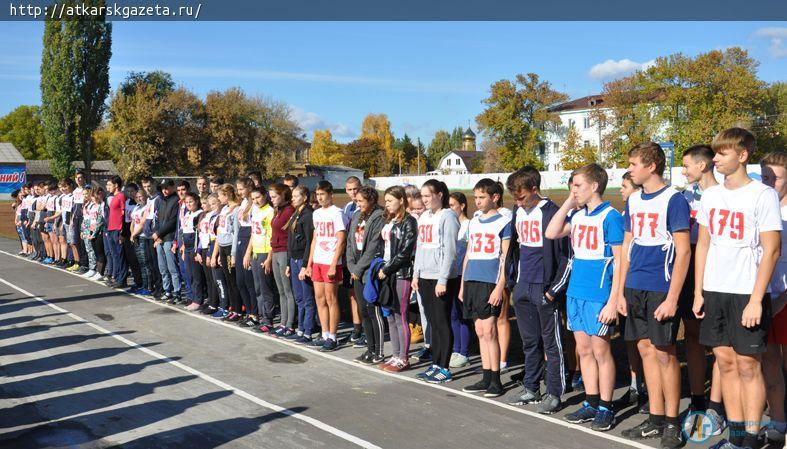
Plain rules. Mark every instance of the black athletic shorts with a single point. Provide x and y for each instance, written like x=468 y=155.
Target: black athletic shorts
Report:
x=686 y=299
x=722 y=323
x=476 y=301
x=640 y=322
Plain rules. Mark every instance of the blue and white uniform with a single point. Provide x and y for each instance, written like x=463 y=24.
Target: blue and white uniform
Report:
x=593 y=234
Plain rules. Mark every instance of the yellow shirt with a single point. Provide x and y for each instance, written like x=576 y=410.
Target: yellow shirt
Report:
x=261 y=232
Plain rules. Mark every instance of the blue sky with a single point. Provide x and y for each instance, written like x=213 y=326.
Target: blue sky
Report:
x=424 y=75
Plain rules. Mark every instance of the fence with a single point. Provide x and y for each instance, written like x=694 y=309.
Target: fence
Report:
x=550 y=180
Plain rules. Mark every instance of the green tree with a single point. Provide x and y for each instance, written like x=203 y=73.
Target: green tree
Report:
x=438 y=147
x=23 y=128
x=74 y=85
x=574 y=153
x=683 y=99
x=771 y=127
x=456 y=138
x=161 y=82
x=516 y=115
x=368 y=155
x=406 y=153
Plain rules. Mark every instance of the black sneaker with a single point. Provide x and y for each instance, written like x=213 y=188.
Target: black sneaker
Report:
x=646 y=429
x=425 y=355
x=329 y=345
x=672 y=437
x=364 y=358
x=355 y=336
x=476 y=387
x=377 y=359
x=494 y=390
x=208 y=310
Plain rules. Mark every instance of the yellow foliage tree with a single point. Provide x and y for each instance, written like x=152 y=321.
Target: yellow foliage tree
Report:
x=574 y=153
x=377 y=128
x=324 y=150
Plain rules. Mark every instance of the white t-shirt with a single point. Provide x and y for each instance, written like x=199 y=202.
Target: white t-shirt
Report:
x=360 y=231
x=779 y=279
x=327 y=225
x=735 y=219
x=386 y=235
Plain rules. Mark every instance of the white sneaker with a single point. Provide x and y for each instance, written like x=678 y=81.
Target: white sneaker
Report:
x=458 y=361
x=89 y=274
x=95 y=277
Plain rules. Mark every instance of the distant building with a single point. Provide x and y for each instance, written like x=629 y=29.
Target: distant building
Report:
x=335 y=174
x=39 y=170
x=13 y=173
x=459 y=162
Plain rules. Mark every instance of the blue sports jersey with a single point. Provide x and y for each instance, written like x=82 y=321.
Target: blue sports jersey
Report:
x=484 y=247
x=651 y=218
x=592 y=237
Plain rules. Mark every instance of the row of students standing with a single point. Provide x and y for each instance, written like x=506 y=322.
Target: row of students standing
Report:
x=583 y=261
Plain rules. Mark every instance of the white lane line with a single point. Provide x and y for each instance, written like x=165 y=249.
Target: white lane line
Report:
x=261 y=402
x=548 y=418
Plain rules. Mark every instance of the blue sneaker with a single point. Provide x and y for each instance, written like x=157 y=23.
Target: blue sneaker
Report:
x=329 y=345
x=585 y=414
x=724 y=444
x=47 y=261
x=440 y=376
x=604 y=420
x=144 y=292
x=428 y=373
x=303 y=340
x=220 y=314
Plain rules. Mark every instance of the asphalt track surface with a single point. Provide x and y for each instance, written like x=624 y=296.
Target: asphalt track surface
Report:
x=86 y=366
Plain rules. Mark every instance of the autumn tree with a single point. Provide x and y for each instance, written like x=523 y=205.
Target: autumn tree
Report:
x=491 y=161
x=324 y=150
x=516 y=115
x=377 y=127
x=23 y=128
x=683 y=99
x=575 y=153
x=368 y=155
x=771 y=126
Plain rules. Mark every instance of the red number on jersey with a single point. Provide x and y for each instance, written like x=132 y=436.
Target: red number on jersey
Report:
x=735 y=220
x=425 y=233
x=482 y=243
x=653 y=223
x=529 y=231
x=584 y=234
x=325 y=229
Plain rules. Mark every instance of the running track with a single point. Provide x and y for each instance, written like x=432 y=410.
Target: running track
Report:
x=82 y=365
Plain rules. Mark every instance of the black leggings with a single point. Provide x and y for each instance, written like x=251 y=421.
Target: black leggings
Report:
x=229 y=278
x=98 y=249
x=210 y=283
x=438 y=313
x=373 y=321
x=243 y=277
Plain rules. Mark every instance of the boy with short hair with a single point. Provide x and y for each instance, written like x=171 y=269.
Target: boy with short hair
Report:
x=698 y=170
x=737 y=248
x=656 y=242
x=774 y=174
x=596 y=232
x=483 y=280
x=537 y=269
x=325 y=263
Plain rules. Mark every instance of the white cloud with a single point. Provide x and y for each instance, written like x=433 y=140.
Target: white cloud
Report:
x=777 y=36
x=311 y=121
x=611 y=69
